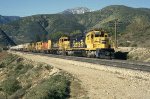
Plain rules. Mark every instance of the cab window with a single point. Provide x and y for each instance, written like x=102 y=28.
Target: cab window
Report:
x=102 y=34
x=65 y=39
x=97 y=34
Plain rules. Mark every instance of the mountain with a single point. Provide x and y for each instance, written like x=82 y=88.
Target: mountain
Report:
x=5 y=40
x=35 y=28
x=135 y=27
x=77 y=10
x=133 y=30
x=7 y=19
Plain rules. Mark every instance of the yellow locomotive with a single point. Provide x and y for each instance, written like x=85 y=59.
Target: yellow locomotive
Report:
x=97 y=43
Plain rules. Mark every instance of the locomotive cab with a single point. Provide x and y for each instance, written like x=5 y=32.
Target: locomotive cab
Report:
x=98 y=44
x=97 y=39
x=64 y=43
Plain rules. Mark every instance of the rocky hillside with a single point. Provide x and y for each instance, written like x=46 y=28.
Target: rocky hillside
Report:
x=134 y=29
x=78 y=10
x=5 y=40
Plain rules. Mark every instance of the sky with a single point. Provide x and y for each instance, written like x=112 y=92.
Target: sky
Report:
x=32 y=7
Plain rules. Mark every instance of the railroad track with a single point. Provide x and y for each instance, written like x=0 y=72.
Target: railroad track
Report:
x=134 y=65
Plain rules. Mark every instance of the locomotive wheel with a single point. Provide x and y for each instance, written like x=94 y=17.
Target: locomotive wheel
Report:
x=91 y=54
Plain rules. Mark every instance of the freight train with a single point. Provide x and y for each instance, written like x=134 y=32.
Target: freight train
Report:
x=96 y=43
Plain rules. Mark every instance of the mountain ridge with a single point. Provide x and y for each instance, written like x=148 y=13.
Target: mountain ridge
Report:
x=135 y=25
x=76 y=10
x=7 y=19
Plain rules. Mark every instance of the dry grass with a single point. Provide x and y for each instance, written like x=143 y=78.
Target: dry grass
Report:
x=77 y=92
x=3 y=55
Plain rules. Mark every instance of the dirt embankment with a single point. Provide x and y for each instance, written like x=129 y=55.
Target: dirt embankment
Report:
x=21 y=78
x=102 y=82
x=139 y=54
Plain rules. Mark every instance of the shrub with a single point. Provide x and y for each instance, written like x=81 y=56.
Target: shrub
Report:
x=9 y=59
x=57 y=87
x=20 y=68
x=18 y=94
x=2 y=64
x=10 y=86
x=48 y=67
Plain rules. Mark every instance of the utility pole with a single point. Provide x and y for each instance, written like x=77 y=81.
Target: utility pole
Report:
x=116 y=42
x=115 y=24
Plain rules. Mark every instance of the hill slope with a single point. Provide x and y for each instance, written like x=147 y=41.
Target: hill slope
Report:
x=7 y=19
x=134 y=30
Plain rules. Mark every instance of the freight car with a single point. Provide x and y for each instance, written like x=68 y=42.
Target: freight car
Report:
x=97 y=43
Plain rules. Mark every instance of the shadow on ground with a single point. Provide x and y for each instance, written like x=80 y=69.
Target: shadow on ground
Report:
x=121 y=55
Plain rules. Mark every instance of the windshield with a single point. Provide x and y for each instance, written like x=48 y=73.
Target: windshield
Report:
x=66 y=39
x=99 y=34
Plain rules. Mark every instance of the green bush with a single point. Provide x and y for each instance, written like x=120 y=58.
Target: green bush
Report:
x=9 y=59
x=18 y=69
x=10 y=86
x=57 y=87
x=2 y=64
x=48 y=67
x=21 y=68
x=18 y=94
